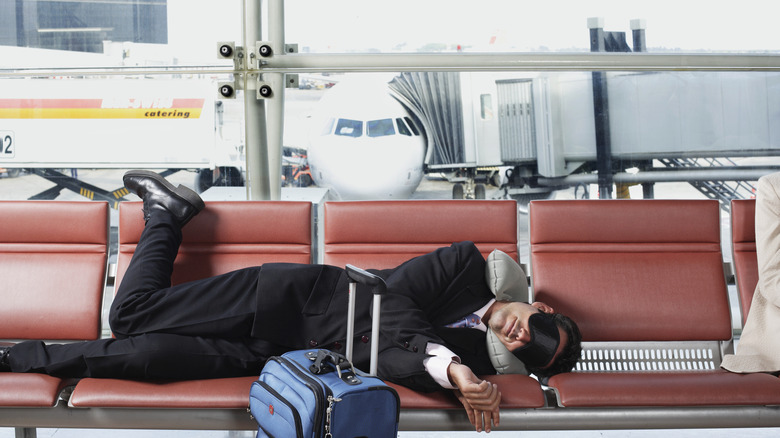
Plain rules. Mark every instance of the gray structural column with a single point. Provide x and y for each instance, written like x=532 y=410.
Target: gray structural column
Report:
x=601 y=113
x=255 y=132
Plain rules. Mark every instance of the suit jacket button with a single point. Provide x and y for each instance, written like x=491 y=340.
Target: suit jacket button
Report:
x=313 y=343
x=364 y=339
x=414 y=349
x=337 y=345
x=406 y=345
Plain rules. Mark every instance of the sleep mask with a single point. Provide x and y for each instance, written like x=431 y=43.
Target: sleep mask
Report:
x=545 y=339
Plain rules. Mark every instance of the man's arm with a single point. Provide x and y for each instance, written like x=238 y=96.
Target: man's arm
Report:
x=431 y=289
x=480 y=398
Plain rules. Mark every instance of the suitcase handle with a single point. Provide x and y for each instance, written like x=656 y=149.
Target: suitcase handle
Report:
x=322 y=358
x=357 y=275
x=378 y=288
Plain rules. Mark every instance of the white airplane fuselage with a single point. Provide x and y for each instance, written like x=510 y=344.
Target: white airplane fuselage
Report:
x=363 y=144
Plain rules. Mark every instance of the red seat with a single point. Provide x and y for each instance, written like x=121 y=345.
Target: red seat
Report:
x=384 y=234
x=517 y=392
x=743 y=250
x=224 y=237
x=227 y=236
x=703 y=388
x=53 y=263
x=229 y=393
x=641 y=273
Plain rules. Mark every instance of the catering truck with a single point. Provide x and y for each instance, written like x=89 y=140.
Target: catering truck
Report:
x=48 y=124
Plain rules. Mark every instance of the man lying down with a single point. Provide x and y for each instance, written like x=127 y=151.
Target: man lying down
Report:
x=230 y=324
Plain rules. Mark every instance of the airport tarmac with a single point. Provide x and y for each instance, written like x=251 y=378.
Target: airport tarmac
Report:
x=28 y=185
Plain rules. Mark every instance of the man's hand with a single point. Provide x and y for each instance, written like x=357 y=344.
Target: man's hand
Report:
x=480 y=397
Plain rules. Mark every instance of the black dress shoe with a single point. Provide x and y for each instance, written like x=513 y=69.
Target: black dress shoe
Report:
x=158 y=194
x=5 y=366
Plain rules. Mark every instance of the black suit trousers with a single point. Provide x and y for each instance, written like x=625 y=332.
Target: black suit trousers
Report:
x=194 y=330
x=219 y=306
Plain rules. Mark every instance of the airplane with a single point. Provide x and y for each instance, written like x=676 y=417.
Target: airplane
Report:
x=363 y=144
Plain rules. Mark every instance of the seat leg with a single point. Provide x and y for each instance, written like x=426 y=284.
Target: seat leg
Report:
x=26 y=432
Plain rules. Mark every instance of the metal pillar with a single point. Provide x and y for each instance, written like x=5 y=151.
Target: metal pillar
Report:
x=601 y=113
x=638 y=27
x=25 y=432
x=640 y=45
x=275 y=114
x=257 y=158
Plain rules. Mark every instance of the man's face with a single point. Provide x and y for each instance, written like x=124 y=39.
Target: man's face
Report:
x=511 y=325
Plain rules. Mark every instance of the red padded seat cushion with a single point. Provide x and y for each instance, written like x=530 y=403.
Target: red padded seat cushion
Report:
x=384 y=234
x=632 y=270
x=743 y=248
x=517 y=392
x=53 y=260
x=30 y=390
x=705 y=388
x=226 y=236
x=229 y=393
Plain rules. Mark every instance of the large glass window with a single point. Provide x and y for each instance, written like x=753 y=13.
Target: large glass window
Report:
x=402 y=128
x=100 y=86
x=499 y=26
x=380 y=128
x=349 y=128
x=99 y=33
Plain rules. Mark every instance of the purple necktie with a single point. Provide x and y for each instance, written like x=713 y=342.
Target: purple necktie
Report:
x=469 y=321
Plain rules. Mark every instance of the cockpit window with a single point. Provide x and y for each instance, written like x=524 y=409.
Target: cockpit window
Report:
x=380 y=128
x=412 y=125
x=349 y=128
x=402 y=128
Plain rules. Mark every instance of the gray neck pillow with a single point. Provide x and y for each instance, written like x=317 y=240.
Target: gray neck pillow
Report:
x=507 y=280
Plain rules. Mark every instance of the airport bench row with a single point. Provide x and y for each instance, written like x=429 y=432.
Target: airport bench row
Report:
x=643 y=278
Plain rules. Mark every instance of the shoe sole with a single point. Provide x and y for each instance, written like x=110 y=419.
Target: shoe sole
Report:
x=182 y=192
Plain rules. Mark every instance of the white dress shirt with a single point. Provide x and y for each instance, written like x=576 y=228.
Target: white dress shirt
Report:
x=442 y=356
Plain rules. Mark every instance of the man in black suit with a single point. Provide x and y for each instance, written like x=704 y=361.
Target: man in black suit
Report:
x=228 y=325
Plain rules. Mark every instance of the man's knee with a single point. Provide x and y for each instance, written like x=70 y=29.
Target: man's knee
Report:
x=120 y=324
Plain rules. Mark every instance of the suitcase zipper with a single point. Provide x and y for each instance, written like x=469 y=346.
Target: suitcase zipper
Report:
x=331 y=401
x=314 y=386
x=296 y=416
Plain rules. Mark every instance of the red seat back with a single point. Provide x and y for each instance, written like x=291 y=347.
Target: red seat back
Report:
x=53 y=262
x=632 y=270
x=384 y=234
x=226 y=236
x=743 y=249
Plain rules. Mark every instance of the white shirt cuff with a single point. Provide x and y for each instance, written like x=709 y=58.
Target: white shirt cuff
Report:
x=436 y=365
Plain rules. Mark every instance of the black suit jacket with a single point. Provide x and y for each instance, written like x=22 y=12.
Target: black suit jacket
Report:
x=304 y=306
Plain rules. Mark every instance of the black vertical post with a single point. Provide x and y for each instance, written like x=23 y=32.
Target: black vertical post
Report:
x=638 y=32
x=21 y=38
x=640 y=45
x=601 y=114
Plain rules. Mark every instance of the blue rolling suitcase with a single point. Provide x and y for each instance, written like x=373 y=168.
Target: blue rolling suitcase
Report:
x=318 y=393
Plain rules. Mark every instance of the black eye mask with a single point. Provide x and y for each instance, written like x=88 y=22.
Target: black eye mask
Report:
x=545 y=339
